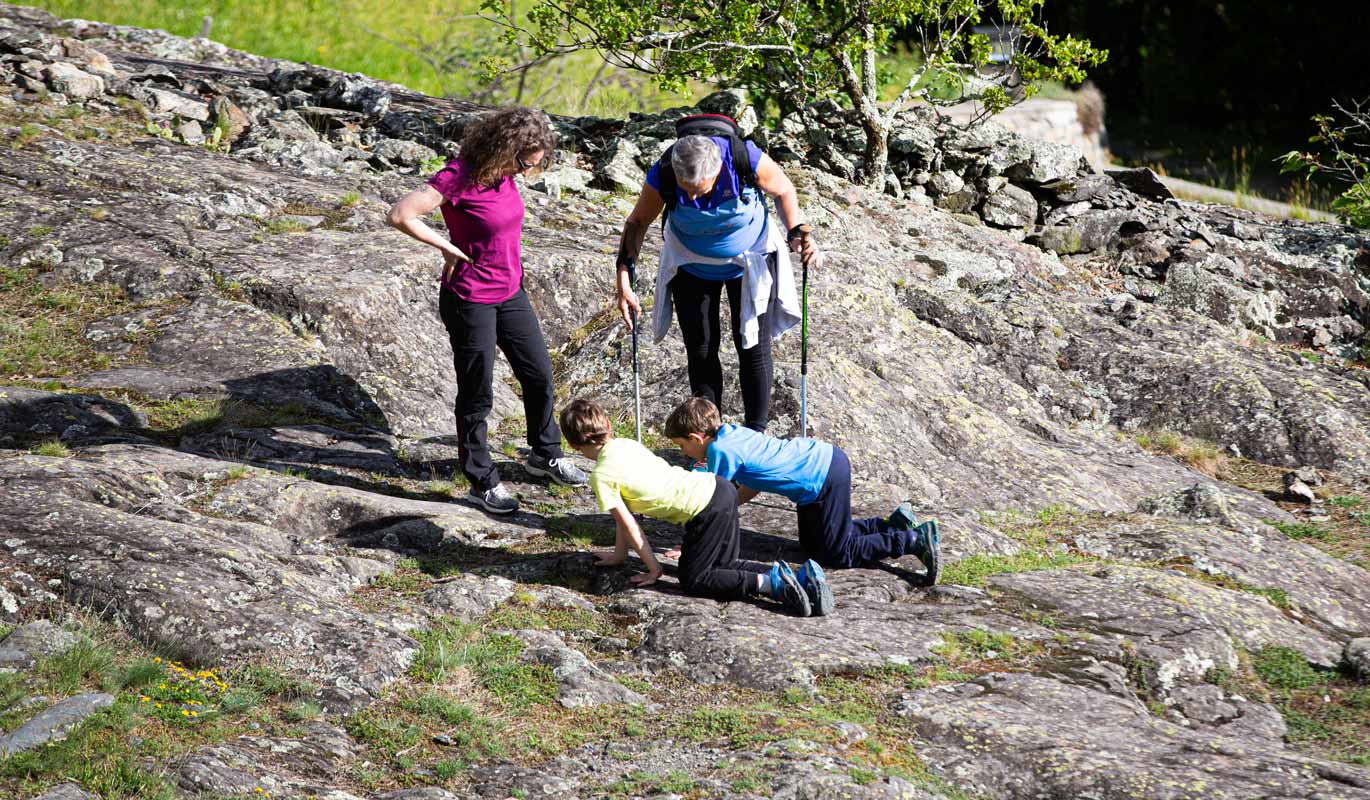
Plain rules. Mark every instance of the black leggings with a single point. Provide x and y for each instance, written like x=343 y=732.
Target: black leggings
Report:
x=696 y=309
x=709 y=566
x=475 y=330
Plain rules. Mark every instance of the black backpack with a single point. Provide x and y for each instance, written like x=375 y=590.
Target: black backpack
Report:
x=704 y=125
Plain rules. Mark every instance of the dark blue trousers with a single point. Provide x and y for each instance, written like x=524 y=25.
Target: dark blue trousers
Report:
x=829 y=535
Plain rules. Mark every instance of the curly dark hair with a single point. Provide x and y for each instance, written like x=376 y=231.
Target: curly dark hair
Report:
x=498 y=138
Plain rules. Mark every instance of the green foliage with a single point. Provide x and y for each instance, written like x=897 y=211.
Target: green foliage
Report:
x=273 y=682
x=66 y=672
x=1341 y=150
x=711 y=724
x=42 y=326
x=181 y=694
x=961 y=647
x=451 y=645
x=302 y=712
x=1285 y=668
x=1301 y=530
x=52 y=449
x=799 y=53
x=639 y=783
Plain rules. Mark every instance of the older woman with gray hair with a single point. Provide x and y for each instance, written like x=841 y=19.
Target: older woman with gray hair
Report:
x=719 y=235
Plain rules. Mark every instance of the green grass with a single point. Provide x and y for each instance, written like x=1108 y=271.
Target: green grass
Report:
x=1043 y=537
x=273 y=681
x=51 y=449
x=1302 y=530
x=493 y=658
x=639 y=783
x=375 y=38
x=27 y=133
x=474 y=736
x=161 y=711
x=964 y=647
x=737 y=726
x=42 y=327
x=1201 y=456
x=306 y=711
x=1347 y=501
x=974 y=570
x=187 y=417
x=1285 y=668
x=280 y=225
x=1327 y=713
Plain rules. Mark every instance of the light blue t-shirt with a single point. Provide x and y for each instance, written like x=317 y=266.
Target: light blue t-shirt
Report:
x=729 y=220
x=795 y=468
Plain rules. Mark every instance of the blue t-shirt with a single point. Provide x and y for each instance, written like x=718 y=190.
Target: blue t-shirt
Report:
x=729 y=220
x=795 y=468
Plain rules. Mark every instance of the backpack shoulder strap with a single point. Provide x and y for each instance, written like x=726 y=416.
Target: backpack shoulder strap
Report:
x=742 y=162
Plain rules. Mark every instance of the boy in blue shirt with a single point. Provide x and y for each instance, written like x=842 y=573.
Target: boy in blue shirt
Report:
x=816 y=476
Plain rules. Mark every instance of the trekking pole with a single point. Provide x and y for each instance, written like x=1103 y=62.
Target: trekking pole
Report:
x=804 y=352
x=637 y=380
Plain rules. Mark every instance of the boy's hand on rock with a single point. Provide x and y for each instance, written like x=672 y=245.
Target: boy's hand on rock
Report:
x=646 y=579
x=673 y=554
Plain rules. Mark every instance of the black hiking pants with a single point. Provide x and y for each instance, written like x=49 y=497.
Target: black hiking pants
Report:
x=696 y=303
x=709 y=566
x=475 y=330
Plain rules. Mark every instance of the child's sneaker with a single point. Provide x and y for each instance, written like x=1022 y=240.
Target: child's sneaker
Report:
x=815 y=584
x=927 y=546
x=786 y=588
x=903 y=518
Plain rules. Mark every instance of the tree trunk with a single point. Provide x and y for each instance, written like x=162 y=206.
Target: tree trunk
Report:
x=877 y=151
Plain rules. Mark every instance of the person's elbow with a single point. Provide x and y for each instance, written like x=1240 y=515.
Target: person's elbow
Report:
x=396 y=217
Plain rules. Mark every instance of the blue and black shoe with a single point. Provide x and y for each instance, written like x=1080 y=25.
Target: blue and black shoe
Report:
x=815 y=584
x=927 y=546
x=903 y=518
x=786 y=588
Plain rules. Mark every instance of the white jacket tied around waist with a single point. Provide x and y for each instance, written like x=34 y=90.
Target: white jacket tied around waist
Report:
x=761 y=292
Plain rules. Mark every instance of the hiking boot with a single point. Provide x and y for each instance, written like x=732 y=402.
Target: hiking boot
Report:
x=927 y=546
x=903 y=518
x=496 y=499
x=786 y=588
x=815 y=584
x=560 y=470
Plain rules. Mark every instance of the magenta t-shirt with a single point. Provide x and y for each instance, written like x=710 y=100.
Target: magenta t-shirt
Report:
x=485 y=223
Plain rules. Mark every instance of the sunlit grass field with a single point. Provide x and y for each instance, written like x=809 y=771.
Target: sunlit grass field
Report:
x=430 y=46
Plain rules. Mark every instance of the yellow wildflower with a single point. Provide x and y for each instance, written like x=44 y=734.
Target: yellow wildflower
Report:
x=185 y=713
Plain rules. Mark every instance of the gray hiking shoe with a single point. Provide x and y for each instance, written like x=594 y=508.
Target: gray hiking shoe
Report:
x=496 y=499
x=560 y=470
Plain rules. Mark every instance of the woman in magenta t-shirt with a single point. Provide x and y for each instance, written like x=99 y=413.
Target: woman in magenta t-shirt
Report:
x=482 y=301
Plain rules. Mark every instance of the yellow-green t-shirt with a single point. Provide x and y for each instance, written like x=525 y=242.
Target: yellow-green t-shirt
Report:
x=647 y=485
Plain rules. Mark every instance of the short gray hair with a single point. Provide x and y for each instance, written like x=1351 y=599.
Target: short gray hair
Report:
x=695 y=159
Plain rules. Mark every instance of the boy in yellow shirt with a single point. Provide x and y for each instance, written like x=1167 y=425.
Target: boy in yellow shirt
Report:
x=628 y=478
